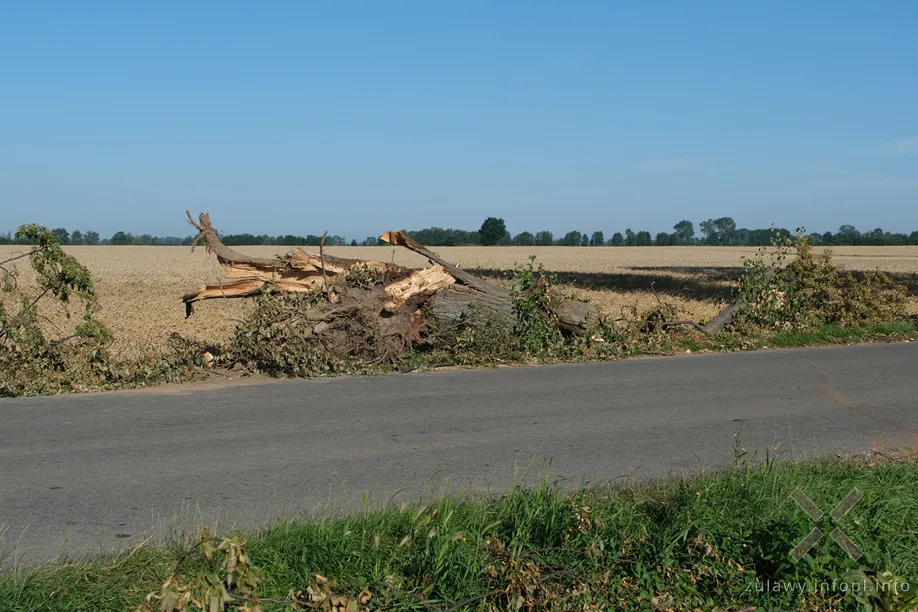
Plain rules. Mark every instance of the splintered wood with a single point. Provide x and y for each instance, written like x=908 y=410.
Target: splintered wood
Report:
x=299 y=271
x=422 y=282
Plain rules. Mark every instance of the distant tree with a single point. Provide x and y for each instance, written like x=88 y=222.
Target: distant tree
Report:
x=370 y=241
x=709 y=231
x=61 y=235
x=663 y=239
x=437 y=236
x=726 y=227
x=684 y=232
x=584 y=240
x=571 y=239
x=121 y=238
x=353 y=242
x=597 y=239
x=630 y=237
x=718 y=231
x=544 y=238
x=643 y=239
x=240 y=240
x=524 y=239
x=848 y=235
x=876 y=237
x=828 y=239
x=76 y=237
x=913 y=238
x=742 y=237
x=760 y=237
x=617 y=239
x=492 y=230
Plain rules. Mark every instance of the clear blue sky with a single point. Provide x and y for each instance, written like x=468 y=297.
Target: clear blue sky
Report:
x=359 y=117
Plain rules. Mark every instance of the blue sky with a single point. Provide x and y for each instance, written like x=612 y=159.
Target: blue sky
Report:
x=359 y=117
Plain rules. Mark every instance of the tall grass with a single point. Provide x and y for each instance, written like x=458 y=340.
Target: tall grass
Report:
x=720 y=539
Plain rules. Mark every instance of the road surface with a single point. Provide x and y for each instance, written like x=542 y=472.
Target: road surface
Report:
x=91 y=473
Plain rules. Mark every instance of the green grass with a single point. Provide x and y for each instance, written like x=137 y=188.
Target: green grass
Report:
x=827 y=335
x=836 y=334
x=720 y=539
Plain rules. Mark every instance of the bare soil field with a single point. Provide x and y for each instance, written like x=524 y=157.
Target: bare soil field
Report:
x=140 y=288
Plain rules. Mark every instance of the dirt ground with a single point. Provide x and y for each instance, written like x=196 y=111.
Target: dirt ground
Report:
x=140 y=288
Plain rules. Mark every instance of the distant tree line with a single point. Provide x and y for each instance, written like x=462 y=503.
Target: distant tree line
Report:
x=90 y=237
x=714 y=232
x=126 y=238
x=285 y=240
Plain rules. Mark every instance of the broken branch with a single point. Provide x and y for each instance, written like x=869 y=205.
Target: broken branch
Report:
x=322 y=262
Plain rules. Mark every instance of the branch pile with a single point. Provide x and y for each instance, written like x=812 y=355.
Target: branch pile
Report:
x=370 y=310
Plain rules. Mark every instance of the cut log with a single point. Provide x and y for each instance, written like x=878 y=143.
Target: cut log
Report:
x=462 y=305
x=573 y=316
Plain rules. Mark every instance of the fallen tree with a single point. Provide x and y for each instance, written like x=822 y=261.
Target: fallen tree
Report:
x=370 y=310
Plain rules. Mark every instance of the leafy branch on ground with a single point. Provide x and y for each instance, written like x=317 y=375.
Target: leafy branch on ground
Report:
x=32 y=360
x=811 y=290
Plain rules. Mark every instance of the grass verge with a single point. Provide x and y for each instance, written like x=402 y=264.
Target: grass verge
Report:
x=720 y=540
x=825 y=335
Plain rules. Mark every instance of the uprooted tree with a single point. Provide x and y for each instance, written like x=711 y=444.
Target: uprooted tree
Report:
x=370 y=310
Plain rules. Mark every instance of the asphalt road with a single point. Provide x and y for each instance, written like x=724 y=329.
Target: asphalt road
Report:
x=96 y=472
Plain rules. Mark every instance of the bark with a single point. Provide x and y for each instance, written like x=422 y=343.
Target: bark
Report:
x=461 y=304
x=724 y=318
